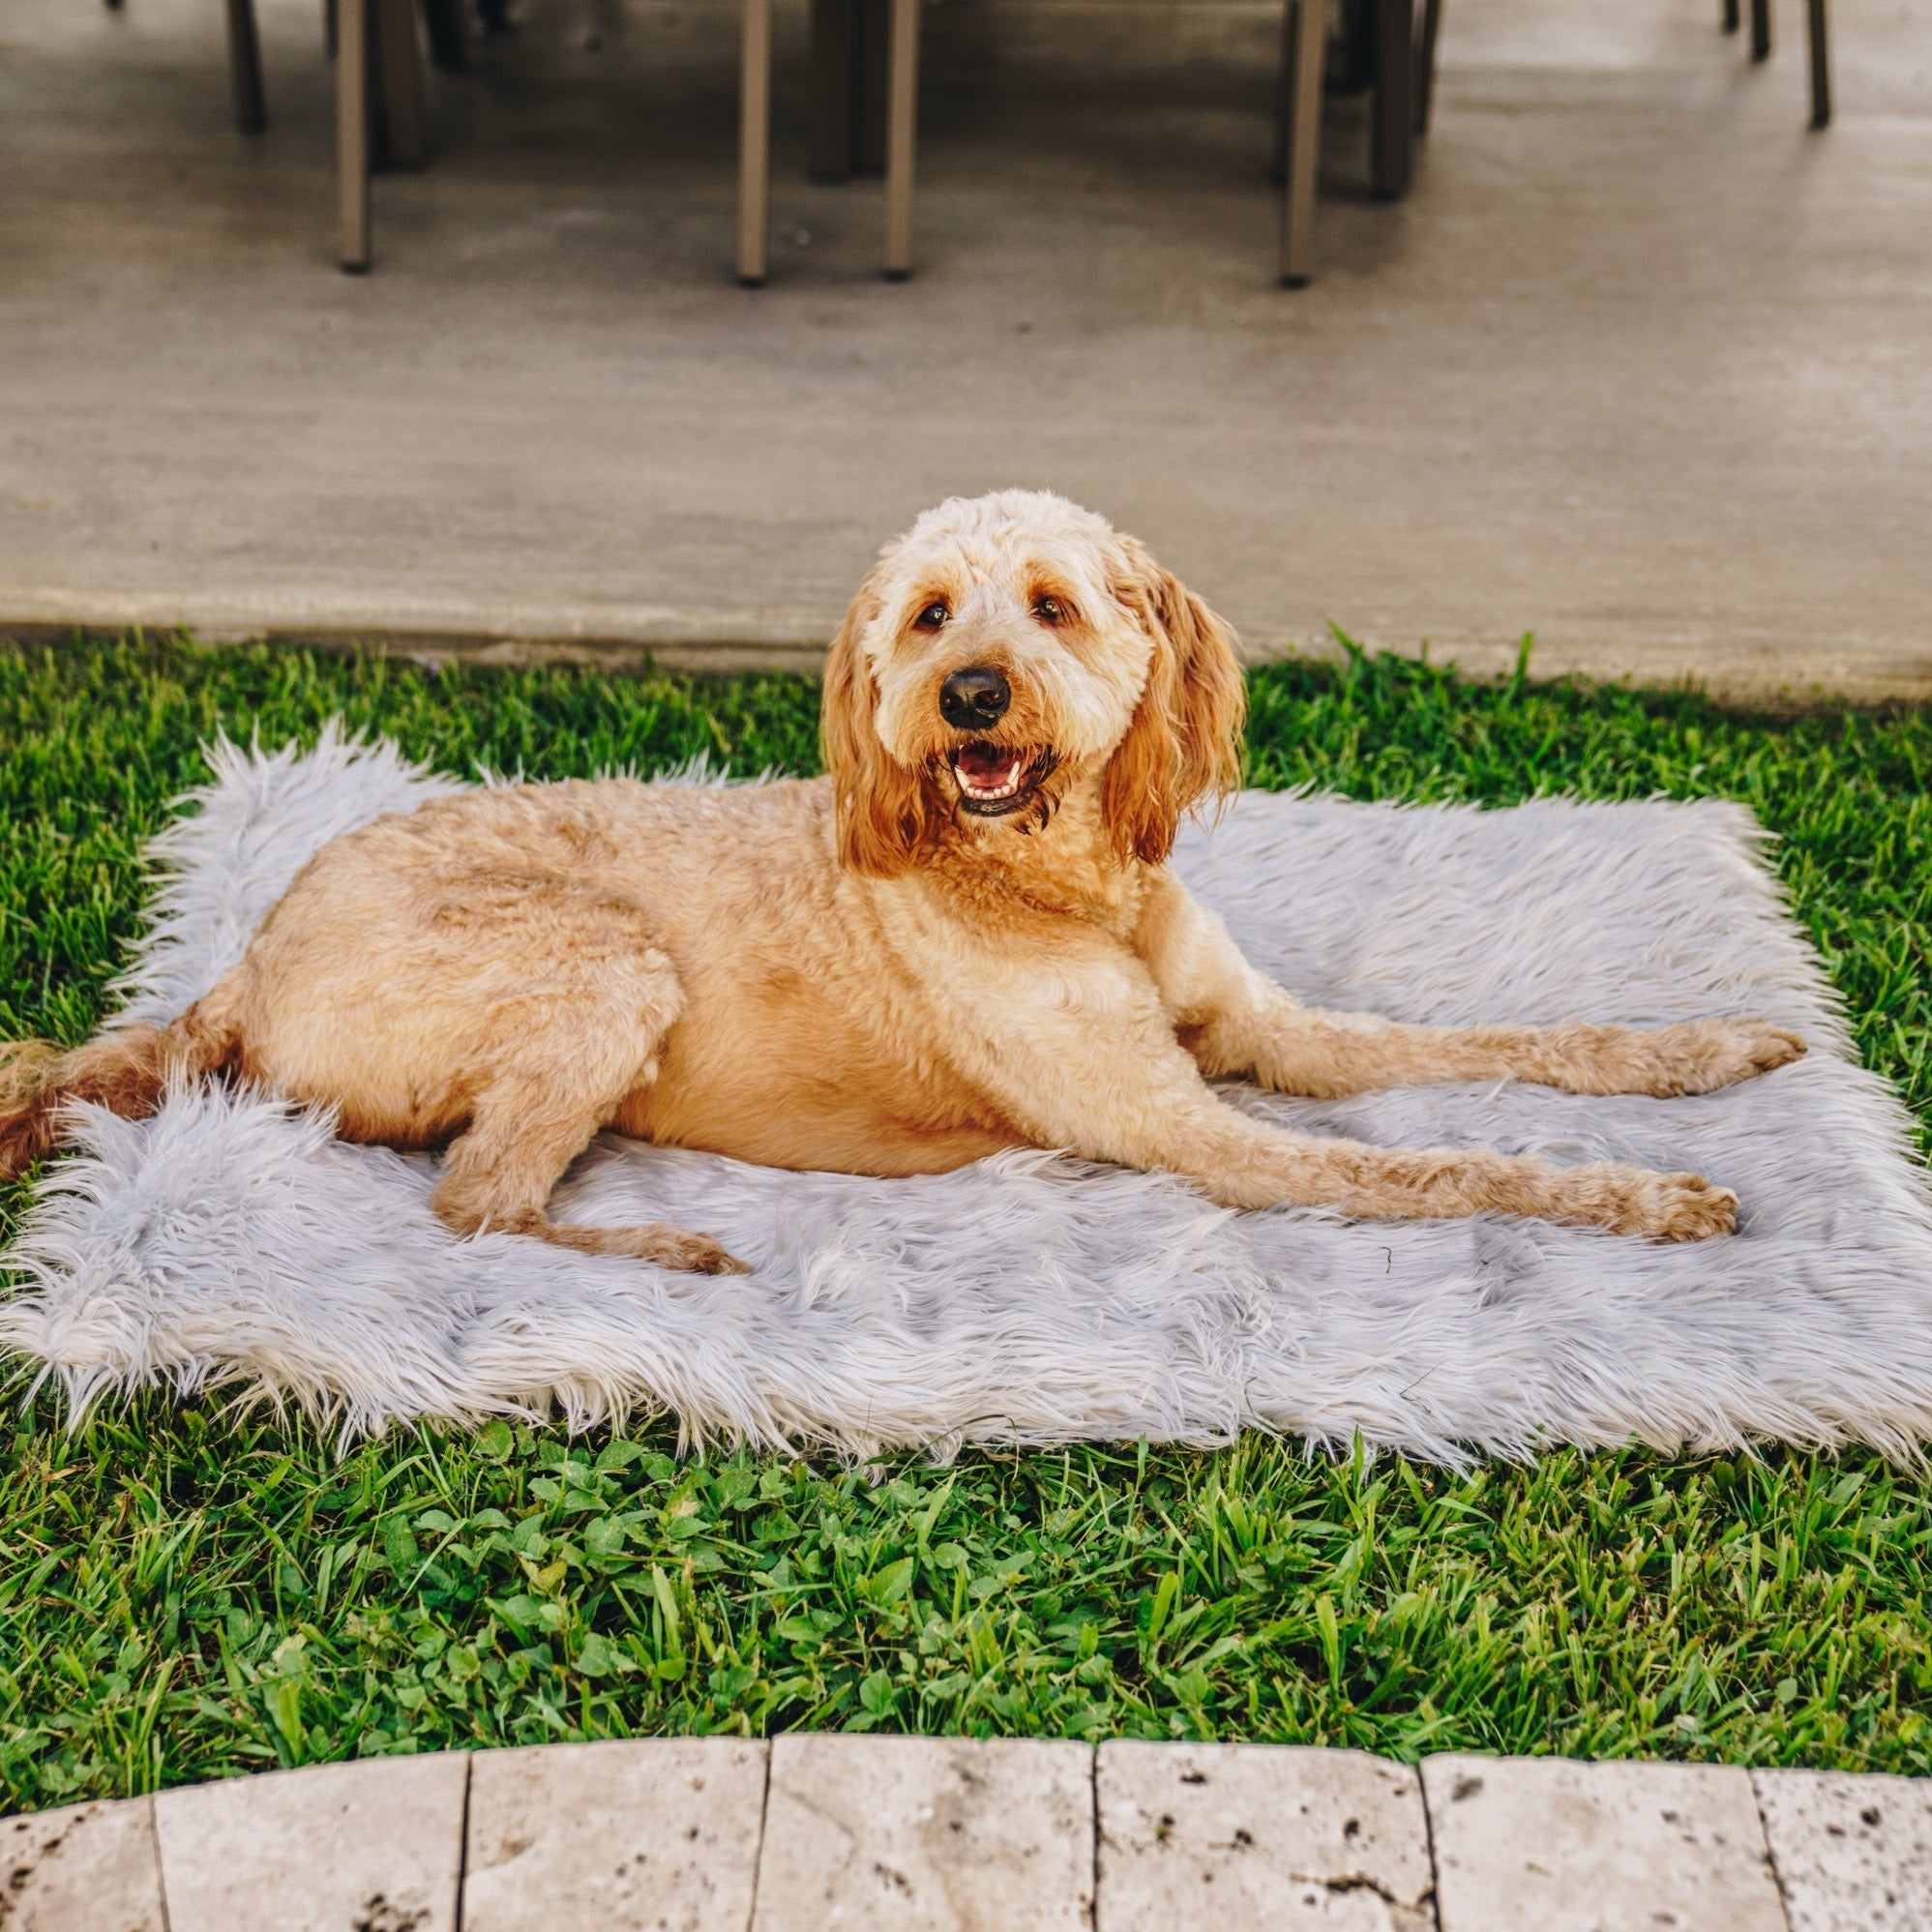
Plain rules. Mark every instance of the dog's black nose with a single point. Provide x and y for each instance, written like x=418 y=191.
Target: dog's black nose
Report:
x=975 y=698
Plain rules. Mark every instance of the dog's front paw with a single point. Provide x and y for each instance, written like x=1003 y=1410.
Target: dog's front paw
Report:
x=1700 y=1055
x=1680 y=1208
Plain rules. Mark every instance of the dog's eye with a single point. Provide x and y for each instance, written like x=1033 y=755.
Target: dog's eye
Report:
x=933 y=616
x=1049 y=609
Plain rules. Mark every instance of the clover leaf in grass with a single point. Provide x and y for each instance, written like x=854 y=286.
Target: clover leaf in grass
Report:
x=597 y=1656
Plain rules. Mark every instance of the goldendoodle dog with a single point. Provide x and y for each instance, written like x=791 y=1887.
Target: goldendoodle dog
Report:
x=964 y=937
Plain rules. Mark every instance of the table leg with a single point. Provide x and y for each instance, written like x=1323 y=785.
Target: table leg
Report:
x=902 y=129
x=755 y=143
x=1304 y=49
x=352 y=133
x=1392 y=169
x=1761 y=29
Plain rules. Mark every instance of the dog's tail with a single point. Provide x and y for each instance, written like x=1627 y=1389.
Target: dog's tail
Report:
x=126 y=1071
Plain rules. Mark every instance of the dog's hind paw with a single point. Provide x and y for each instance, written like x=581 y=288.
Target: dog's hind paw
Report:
x=1683 y=1208
x=704 y=1256
x=654 y=1241
x=678 y=1248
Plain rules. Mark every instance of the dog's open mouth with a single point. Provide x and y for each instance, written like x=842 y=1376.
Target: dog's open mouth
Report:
x=996 y=779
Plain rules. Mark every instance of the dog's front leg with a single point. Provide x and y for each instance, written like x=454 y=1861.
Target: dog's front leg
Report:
x=1236 y=1022
x=1103 y=1077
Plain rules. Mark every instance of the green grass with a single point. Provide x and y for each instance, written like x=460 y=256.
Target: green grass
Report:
x=184 y=1594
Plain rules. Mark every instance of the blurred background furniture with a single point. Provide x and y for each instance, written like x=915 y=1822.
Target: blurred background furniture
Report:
x=381 y=110
x=244 y=65
x=864 y=86
x=1819 y=32
x=865 y=64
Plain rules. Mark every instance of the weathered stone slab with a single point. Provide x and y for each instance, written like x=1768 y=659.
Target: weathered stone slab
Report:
x=1854 y=1852
x=626 y=1836
x=369 y=1847
x=1549 y=1845
x=1261 y=1838
x=927 y=1834
x=83 y=1868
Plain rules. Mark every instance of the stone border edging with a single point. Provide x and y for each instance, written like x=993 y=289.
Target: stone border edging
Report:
x=879 y=1833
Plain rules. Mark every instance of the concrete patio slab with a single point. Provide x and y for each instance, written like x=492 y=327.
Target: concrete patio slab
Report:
x=625 y=1836
x=927 y=1834
x=1854 y=1854
x=83 y=1868
x=375 y=1846
x=1260 y=1838
x=958 y=1835
x=1640 y=364
x=1548 y=1845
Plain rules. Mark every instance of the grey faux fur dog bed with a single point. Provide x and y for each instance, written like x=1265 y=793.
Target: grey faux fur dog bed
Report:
x=1030 y=1299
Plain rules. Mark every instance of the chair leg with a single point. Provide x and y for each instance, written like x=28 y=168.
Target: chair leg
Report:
x=1734 y=16
x=755 y=143
x=244 y=68
x=1761 y=29
x=902 y=134
x=404 y=111
x=1393 y=169
x=1304 y=30
x=449 y=34
x=1425 y=63
x=352 y=65
x=1821 y=66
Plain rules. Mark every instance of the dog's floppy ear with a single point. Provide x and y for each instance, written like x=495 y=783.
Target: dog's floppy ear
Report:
x=1184 y=743
x=881 y=806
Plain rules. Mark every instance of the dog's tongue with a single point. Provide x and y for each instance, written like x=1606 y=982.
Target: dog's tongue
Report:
x=987 y=764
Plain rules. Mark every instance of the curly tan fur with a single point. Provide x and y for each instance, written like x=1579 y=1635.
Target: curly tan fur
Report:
x=959 y=940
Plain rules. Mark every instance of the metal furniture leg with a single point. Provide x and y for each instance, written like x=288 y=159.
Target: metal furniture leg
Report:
x=902 y=134
x=1734 y=16
x=1821 y=65
x=1393 y=168
x=1425 y=63
x=1304 y=49
x=353 y=64
x=403 y=106
x=244 y=68
x=1761 y=29
x=755 y=143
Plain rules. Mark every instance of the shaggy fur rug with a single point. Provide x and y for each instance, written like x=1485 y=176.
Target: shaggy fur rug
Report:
x=231 y=1240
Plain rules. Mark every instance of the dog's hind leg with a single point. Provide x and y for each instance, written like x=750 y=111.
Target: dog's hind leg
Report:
x=562 y=1061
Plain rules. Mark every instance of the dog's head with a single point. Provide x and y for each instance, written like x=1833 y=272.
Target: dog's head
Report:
x=1005 y=650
